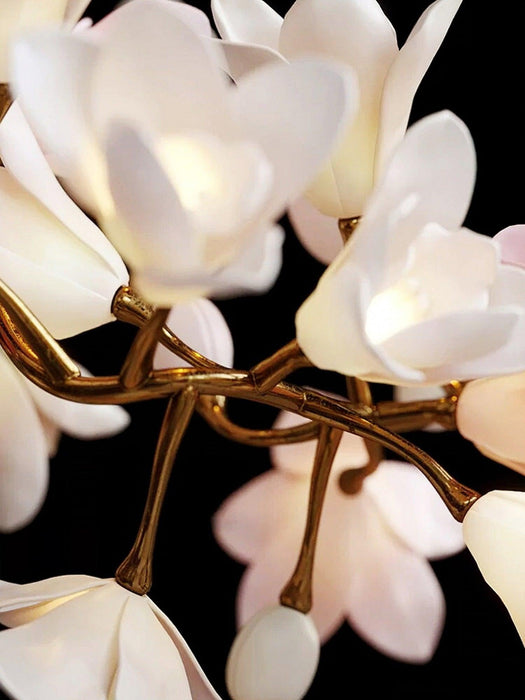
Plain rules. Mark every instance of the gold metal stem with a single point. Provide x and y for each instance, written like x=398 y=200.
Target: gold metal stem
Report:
x=135 y=572
x=297 y=593
x=273 y=369
x=139 y=361
x=5 y=99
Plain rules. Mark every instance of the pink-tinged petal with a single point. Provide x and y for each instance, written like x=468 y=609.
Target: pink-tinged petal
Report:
x=203 y=328
x=201 y=688
x=71 y=652
x=494 y=534
x=82 y=421
x=394 y=600
x=318 y=233
x=489 y=413
x=407 y=71
x=23 y=158
x=297 y=458
x=251 y=518
x=23 y=452
x=511 y=241
x=413 y=510
x=240 y=59
x=283 y=106
x=248 y=21
x=149 y=665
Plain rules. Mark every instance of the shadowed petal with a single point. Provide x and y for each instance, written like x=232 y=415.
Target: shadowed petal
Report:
x=248 y=21
x=318 y=233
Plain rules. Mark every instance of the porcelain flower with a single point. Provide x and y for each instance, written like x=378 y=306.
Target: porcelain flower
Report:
x=85 y=637
x=19 y=15
x=371 y=563
x=415 y=298
x=186 y=172
x=51 y=254
x=494 y=531
x=358 y=34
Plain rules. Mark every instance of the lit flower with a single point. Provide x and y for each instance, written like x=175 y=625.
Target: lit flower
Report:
x=31 y=421
x=371 y=559
x=85 y=637
x=186 y=173
x=414 y=298
x=20 y=15
x=51 y=254
x=357 y=34
x=512 y=243
x=494 y=532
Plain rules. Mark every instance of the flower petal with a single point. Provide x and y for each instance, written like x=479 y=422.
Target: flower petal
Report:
x=243 y=58
x=250 y=21
x=318 y=233
x=413 y=510
x=407 y=71
x=149 y=665
x=74 y=10
x=394 y=600
x=494 y=533
x=200 y=325
x=69 y=652
x=512 y=244
x=23 y=452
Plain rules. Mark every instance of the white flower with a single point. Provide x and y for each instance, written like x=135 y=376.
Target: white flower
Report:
x=51 y=254
x=30 y=424
x=186 y=172
x=414 y=298
x=358 y=34
x=494 y=531
x=19 y=15
x=371 y=559
x=85 y=637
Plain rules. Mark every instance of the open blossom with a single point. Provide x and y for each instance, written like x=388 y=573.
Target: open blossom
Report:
x=185 y=172
x=494 y=532
x=371 y=563
x=415 y=298
x=19 y=15
x=86 y=637
x=357 y=34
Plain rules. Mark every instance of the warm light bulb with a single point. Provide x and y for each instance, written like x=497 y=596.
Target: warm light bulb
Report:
x=394 y=309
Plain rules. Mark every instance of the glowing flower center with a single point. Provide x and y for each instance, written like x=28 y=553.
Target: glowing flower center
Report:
x=396 y=308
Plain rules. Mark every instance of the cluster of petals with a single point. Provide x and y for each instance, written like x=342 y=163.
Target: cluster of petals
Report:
x=414 y=297
x=371 y=562
x=86 y=637
x=185 y=172
x=355 y=33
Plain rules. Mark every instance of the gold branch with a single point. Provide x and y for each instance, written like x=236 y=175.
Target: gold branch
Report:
x=273 y=369
x=138 y=364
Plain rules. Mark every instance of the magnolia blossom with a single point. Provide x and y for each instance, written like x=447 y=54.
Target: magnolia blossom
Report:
x=357 y=34
x=495 y=536
x=19 y=15
x=371 y=559
x=185 y=172
x=51 y=254
x=86 y=637
x=414 y=298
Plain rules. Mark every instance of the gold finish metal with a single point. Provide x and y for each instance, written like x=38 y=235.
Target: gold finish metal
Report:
x=139 y=361
x=348 y=226
x=273 y=369
x=5 y=99
x=135 y=572
x=297 y=593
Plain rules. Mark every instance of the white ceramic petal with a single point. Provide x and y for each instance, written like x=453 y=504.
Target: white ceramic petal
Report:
x=511 y=241
x=318 y=102
x=421 y=393
x=201 y=688
x=52 y=435
x=71 y=651
x=251 y=22
x=318 y=233
x=75 y=9
x=23 y=452
x=149 y=665
x=489 y=413
x=240 y=59
x=494 y=534
x=394 y=600
x=413 y=510
x=407 y=71
x=203 y=328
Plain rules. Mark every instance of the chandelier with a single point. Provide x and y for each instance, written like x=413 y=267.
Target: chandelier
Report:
x=251 y=286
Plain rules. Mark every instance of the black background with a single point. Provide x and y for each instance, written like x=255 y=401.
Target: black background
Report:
x=97 y=488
